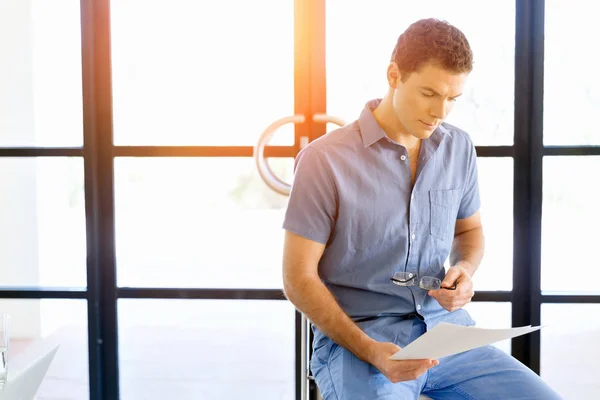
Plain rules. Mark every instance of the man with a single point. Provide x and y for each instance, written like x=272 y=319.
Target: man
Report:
x=392 y=195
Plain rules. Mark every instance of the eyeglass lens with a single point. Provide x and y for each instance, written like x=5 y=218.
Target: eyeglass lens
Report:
x=409 y=279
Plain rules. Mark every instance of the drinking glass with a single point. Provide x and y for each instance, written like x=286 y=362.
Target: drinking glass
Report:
x=4 y=339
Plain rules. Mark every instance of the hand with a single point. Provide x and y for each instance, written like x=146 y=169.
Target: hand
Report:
x=453 y=300
x=397 y=370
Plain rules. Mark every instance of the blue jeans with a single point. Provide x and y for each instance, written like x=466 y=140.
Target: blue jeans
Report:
x=484 y=373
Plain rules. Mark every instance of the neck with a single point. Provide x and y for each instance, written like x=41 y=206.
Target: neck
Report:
x=386 y=118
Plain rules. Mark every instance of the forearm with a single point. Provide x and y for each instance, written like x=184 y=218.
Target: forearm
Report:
x=468 y=249
x=313 y=298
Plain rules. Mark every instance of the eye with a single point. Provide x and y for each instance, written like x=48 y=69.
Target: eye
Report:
x=427 y=94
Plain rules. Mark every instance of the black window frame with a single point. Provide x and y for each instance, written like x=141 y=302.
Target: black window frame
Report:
x=98 y=153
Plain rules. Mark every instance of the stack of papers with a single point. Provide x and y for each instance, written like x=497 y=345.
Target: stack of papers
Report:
x=447 y=339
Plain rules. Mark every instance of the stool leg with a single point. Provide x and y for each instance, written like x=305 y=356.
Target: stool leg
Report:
x=313 y=390
x=304 y=358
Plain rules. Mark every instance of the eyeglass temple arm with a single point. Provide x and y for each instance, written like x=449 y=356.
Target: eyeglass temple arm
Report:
x=410 y=279
x=401 y=281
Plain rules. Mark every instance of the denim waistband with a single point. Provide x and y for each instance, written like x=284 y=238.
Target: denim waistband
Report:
x=401 y=316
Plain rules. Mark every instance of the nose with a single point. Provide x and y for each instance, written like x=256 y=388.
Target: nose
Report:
x=439 y=110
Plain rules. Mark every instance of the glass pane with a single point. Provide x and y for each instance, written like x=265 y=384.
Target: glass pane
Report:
x=42 y=222
x=37 y=325
x=492 y=315
x=570 y=215
x=206 y=349
x=359 y=58
x=40 y=74
x=570 y=349
x=570 y=55
x=210 y=73
x=496 y=190
x=198 y=222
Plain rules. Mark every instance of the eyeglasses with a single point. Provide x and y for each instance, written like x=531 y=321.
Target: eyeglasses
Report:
x=426 y=282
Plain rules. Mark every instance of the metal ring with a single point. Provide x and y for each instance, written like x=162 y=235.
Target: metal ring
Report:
x=328 y=118
x=263 y=167
x=264 y=170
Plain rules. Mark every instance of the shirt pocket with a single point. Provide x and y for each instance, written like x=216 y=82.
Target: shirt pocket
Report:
x=443 y=212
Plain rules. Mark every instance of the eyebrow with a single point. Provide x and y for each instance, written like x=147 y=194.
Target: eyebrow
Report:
x=436 y=93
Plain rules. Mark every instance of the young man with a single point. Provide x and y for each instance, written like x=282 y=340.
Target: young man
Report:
x=392 y=195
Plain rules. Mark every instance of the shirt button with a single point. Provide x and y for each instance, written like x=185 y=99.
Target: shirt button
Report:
x=418 y=307
x=403 y=157
x=413 y=236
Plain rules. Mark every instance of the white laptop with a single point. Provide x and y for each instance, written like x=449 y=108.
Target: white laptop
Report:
x=24 y=384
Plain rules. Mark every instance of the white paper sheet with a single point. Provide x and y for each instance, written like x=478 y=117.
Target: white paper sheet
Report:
x=447 y=339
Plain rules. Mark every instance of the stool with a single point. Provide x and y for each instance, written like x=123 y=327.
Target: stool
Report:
x=310 y=391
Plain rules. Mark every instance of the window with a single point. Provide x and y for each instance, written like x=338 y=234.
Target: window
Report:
x=572 y=85
x=361 y=36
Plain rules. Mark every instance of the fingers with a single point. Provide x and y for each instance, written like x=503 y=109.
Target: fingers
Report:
x=454 y=305
x=451 y=277
x=452 y=300
x=452 y=295
x=464 y=289
x=408 y=370
x=425 y=367
x=449 y=296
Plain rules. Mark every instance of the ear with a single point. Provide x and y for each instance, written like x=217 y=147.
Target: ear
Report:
x=393 y=75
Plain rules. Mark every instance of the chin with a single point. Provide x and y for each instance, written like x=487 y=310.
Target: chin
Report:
x=422 y=134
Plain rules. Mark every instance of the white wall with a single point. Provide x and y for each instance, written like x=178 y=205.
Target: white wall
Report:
x=18 y=197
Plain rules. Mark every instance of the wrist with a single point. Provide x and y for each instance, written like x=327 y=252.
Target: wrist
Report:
x=369 y=350
x=466 y=266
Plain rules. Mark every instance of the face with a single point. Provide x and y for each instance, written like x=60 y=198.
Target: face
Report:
x=423 y=99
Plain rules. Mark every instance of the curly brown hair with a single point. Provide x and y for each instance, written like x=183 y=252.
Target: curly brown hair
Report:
x=435 y=41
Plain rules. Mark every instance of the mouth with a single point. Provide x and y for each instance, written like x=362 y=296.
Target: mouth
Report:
x=427 y=125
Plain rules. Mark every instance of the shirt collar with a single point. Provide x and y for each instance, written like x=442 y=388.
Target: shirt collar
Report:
x=371 y=132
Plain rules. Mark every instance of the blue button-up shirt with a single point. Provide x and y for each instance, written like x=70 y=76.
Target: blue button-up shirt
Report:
x=353 y=191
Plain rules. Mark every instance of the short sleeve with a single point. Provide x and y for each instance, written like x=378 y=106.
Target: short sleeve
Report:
x=312 y=203
x=470 y=201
